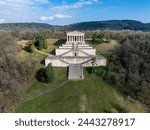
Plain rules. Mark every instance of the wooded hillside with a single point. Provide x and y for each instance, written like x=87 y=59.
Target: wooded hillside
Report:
x=13 y=74
x=91 y=25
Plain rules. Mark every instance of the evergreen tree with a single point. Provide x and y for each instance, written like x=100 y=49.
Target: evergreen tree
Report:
x=29 y=46
x=49 y=73
x=45 y=75
x=40 y=42
x=97 y=38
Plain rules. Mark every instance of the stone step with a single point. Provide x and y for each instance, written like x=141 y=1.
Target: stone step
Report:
x=75 y=72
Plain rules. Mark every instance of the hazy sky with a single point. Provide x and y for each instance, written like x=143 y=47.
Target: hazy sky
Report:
x=61 y=12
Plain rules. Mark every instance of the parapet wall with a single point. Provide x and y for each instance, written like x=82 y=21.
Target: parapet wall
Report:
x=64 y=62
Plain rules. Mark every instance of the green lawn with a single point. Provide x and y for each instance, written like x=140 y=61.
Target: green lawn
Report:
x=92 y=94
x=52 y=44
x=37 y=87
x=89 y=95
x=106 y=49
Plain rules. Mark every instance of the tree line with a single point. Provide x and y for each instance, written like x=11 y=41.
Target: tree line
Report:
x=13 y=73
x=91 y=25
x=129 y=66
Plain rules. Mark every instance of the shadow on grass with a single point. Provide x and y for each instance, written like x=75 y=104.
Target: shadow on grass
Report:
x=52 y=52
x=43 y=62
x=26 y=49
x=59 y=42
x=67 y=72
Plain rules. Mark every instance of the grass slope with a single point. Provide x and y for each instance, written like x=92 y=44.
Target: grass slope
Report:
x=92 y=94
x=89 y=95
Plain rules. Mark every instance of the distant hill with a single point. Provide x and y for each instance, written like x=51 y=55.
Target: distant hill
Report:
x=93 y=25
x=27 y=26
x=110 y=24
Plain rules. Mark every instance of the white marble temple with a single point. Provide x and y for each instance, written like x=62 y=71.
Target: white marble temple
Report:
x=75 y=51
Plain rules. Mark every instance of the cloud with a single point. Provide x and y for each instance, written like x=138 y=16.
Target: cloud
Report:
x=62 y=16
x=21 y=3
x=32 y=10
x=21 y=10
x=45 y=18
x=76 y=5
x=24 y=1
x=56 y=16
x=2 y=20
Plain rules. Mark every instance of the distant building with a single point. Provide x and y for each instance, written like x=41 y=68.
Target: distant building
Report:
x=75 y=53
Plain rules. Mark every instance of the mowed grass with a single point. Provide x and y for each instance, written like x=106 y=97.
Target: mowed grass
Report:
x=106 y=49
x=52 y=44
x=37 y=87
x=92 y=94
x=89 y=95
x=50 y=49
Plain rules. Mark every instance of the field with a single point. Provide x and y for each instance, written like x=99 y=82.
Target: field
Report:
x=92 y=94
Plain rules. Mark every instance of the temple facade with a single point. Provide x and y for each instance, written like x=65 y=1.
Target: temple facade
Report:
x=75 y=36
x=75 y=53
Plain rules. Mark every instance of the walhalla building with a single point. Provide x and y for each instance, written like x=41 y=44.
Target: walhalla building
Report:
x=75 y=54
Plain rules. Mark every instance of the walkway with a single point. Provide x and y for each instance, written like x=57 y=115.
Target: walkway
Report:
x=43 y=52
x=47 y=91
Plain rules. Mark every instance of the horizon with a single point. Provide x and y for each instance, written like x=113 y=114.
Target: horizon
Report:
x=76 y=22
x=64 y=12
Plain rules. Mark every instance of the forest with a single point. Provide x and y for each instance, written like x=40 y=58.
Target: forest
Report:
x=13 y=73
x=129 y=66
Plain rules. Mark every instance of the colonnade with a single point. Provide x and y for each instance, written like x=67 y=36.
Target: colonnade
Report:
x=75 y=38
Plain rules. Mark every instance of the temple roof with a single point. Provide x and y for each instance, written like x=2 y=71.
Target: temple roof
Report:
x=75 y=32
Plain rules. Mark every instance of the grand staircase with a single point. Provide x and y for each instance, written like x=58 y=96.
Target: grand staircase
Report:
x=75 y=72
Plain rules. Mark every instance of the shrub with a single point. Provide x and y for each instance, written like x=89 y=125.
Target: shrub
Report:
x=45 y=75
x=40 y=42
x=100 y=70
x=29 y=46
x=97 y=38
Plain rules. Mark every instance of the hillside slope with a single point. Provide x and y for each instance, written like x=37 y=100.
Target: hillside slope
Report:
x=92 y=25
x=111 y=25
x=93 y=94
x=27 y=26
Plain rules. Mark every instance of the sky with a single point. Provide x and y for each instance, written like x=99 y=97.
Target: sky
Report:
x=63 y=12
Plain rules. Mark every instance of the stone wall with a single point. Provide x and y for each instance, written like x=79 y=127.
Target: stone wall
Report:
x=55 y=62
x=99 y=62
x=61 y=51
x=87 y=51
x=63 y=61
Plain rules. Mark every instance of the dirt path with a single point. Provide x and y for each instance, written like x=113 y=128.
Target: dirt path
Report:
x=47 y=91
x=83 y=103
